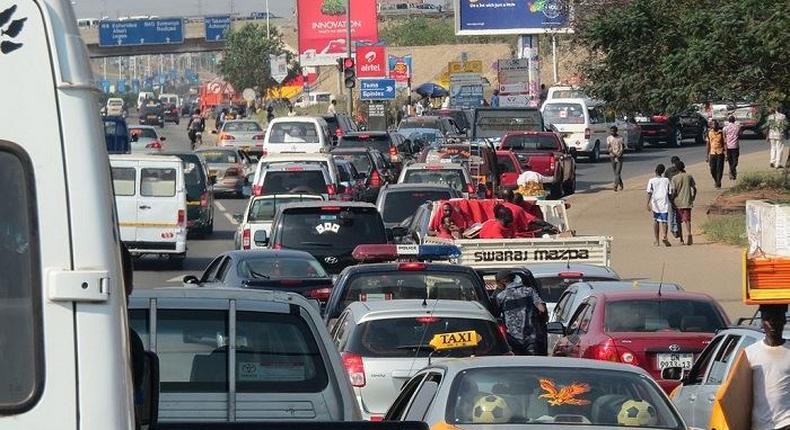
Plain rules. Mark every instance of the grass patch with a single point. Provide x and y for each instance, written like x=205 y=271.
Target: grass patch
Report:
x=729 y=229
x=763 y=180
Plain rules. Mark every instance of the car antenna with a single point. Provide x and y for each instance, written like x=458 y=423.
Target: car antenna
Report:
x=661 y=281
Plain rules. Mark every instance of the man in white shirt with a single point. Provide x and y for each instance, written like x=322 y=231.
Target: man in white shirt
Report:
x=770 y=364
x=332 y=108
x=658 y=190
x=775 y=126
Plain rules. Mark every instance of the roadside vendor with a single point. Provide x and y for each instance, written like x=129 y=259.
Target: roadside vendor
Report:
x=529 y=176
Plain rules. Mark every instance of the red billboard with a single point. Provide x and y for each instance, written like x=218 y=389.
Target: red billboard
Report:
x=371 y=62
x=322 y=28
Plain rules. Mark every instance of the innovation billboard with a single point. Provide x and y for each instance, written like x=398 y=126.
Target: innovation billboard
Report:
x=489 y=17
x=322 y=29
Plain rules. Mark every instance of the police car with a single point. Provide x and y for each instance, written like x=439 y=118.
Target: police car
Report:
x=384 y=343
x=413 y=277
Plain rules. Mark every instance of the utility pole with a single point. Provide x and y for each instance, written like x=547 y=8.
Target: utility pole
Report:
x=267 y=19
x=350 y=99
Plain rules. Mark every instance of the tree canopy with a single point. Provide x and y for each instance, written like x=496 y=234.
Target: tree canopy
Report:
x=245 y=62
x=665 y=55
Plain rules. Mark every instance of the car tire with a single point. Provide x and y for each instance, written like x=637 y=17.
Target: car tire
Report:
x=640 y=145
x=677 y=137
x=595 y=154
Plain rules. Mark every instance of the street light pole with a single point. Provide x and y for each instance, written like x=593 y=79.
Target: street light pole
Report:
x=267 y=19
x=350 y=99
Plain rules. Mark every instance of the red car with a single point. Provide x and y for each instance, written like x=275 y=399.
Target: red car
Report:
x=509 y=169
x=546 y=153
x=642 y=328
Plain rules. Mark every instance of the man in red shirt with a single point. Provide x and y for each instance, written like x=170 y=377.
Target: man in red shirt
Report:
x=501 y=227
x=521 y=219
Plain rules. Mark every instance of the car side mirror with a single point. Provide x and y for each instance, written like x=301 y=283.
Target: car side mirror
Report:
x=191 y=280
x=162 y=138
x=555 y=328
x=148 y=412
x=261 y=238
x=674 y=373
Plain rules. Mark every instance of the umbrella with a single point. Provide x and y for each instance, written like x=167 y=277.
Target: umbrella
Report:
x=429 y=89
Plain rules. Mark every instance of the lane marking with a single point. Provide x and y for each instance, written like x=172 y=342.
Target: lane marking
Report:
x=176 y=279
x=230 y=218
x=220 y=207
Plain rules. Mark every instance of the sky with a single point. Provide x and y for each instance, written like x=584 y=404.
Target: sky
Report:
x=163 y=8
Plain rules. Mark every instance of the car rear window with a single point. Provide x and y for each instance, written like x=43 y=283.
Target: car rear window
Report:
x=496 y=122
x=148 y=133
x=294 y=182
x=219 y=157
x=530 y=143
x=264 y=209
x=662 y=315
x=399 y=205
x=279 y=268
x=551 y=288
x=294 y=132
x=193 y=174
x=331 y=227
x=123 y=180
x=360 y=160
x=378 y=142
x=452 y=178
x=563 y=113
x=397 y=285
x=241 y=126
x=409 y=337
x=158 y=182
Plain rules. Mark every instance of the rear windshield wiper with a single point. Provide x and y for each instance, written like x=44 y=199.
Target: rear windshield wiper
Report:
x=322 y=244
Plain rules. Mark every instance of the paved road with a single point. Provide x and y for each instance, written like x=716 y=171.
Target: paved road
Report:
x=150 y=273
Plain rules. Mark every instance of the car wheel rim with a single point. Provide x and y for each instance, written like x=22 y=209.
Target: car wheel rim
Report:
x=678 y=138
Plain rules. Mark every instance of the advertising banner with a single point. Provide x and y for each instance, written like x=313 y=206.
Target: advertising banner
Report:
x=466 y=90
x=509 y=17
x=513 y=79
x=400 y=69
x=322 y=29
x=371 y=62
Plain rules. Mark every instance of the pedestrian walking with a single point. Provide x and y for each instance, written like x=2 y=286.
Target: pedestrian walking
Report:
x=683 y=193
x=616 y=148
x=732 y=132
x=658 y=194
x=495 y=99
x=716 y=152
x=775 y=128
x=671 y=171
x=332 y=108
x=524 y=313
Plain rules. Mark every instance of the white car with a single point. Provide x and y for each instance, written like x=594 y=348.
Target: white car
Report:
x=326 y=161
x=145 y=139
x=259 y=216
x=450 y=174
x=115 y=107
x=297 y=134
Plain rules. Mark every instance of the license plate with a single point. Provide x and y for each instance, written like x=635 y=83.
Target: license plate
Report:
x=674 y=359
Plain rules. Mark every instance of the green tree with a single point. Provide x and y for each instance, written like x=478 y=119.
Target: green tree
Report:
x=245 y=62
x=664 y=56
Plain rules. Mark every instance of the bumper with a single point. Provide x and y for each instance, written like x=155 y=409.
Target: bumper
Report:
x=177 y=247
x=583 y=146
x=229 y=186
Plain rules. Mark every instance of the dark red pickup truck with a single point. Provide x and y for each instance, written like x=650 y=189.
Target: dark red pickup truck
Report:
x=544 y=152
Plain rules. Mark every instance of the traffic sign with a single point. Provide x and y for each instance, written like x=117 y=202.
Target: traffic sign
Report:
x=216 y=27
x=162 y=31
x=377 y=89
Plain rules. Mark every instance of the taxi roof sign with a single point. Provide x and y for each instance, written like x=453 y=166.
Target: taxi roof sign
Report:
x=459 y=339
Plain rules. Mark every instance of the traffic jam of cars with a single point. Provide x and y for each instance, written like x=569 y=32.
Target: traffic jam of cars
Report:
x=369 y=270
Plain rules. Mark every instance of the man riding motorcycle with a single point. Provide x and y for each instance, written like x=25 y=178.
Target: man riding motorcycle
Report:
x=195 y=128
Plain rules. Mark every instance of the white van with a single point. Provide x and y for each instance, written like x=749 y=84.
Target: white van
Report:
x=168 y=99
x=583 y=123
x=152 y=205
x=312 y=99
x=308 y=134
x=142 y=96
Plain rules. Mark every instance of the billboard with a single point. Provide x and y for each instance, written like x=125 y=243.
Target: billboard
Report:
x=400 y=69
x=322 y=29
x=371 y=62
x=481 y=17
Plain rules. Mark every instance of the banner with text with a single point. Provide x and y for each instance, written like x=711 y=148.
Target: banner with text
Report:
x=400 y=69
x=322 y=29
x=371 y=62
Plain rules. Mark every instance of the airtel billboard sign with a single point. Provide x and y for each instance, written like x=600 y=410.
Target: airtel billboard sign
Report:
x=371 y=62
x=322 y=29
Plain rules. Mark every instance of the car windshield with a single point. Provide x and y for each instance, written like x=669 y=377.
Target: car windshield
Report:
x=399 y=205
x=409 y=337
x=552 y=287
x=378 y=142
x=568 y=396
x=219 y=157
x=294 y=132
x=280 y=268
x=294 y=182
x=530 y=142
x=242 y=126
x=360 y=160
x=147 y=133
x=453 y=178
x=563 y=113
x=115 y=103
x=662 y=315
x=264 y=209
x=397 y=285
x=337 y=229
x=418 y=123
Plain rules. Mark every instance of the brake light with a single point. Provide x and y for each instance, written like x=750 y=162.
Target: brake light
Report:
x=427 y=320
x=355 y=368
x=338 y=133
x=154 y=145
x=245 y=239
x=553 y=163
x=182 y=217
x=587 y=133
x=661 y=119
x=503 y=330
x=375 y=179
x=570 y=275
x=331 y=190
x=470 y=188
x=412 y=266
x=605 y=351
x=204 y=200
x=225 y=136
x=320 y=294
x=330 y=208
x=294 y=169
x=257 y=190
x=393 y=154
x=376 y=418
x=259 y=137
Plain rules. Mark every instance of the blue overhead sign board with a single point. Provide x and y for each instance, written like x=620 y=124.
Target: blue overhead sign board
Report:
x=216 y=27
x=481 y=17
x=141 y=32
x=377 y=89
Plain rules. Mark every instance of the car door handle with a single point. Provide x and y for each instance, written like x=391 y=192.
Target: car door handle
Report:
x=145 y=207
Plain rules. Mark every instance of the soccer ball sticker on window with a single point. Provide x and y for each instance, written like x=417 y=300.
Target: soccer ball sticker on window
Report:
x=637 y=413
x=327 y=227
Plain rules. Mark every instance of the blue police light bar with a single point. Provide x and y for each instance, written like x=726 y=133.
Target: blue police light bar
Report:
x=405 y=252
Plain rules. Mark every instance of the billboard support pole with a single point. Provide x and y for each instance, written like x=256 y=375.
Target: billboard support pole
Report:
x=554 y=65
x=350 y=98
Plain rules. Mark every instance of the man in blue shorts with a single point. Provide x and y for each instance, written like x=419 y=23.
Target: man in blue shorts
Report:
x=658 y=190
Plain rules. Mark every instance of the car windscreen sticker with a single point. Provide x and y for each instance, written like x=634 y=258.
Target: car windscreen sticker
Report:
x=272 y=370
x=563 y=395
x=327 y=227
x=328 y=217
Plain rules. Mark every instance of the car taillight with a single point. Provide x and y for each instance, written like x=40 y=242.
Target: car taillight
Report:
x=204 y=200
x=225 y=136
x=338 y=133
x=570 y=275
x=376 y=418
x=257 y=190
x=245 y=239
x=503 y=331
x=259 y=137
x=320 y=294
x=375 y=179
x=553 y=164
x=393 y=154
x=587 y=133
x=355 y=368
x=605 y=351
x=182 y=217
x=470 y=188
x=331 y=190
x=661 y=119
x=427 y=320
x=412 y=266
x=154 y=145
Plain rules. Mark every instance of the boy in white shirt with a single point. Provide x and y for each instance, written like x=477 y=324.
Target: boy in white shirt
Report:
x=658 y=190
x=769 y=360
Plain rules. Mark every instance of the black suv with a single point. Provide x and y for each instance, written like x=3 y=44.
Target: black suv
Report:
x=153 y=114
x=672 y=129
x=339 y=124
x=200 y=195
